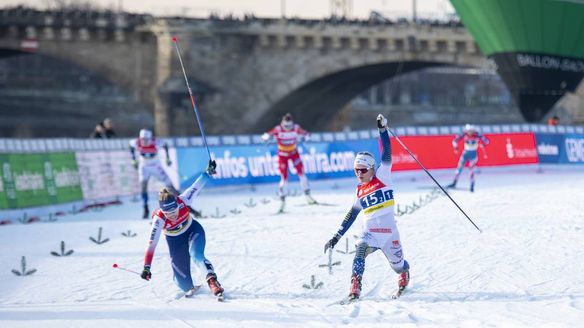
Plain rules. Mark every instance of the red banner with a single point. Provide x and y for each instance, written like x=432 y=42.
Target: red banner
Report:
x=436 y=152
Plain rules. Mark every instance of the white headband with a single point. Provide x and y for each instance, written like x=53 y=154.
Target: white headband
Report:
x=364 y=159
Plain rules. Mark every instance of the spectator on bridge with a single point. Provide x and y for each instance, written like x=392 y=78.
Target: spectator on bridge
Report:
x=98 y=132
x=287 y=134
x=109 y=128
x=554 y=120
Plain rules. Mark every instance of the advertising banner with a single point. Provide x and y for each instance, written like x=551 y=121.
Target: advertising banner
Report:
x=560 y=148
x=509 y=149
x=107 y=174
x=434 y=152
x=574 y=148
x=30 y=180
x=550 y=147
x=259 y=163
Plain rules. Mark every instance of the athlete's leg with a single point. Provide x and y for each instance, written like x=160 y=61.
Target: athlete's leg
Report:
x=472 y=166
x=362 y=249
x=197 y=250
x=297 y=161
x=197 y=243
x=178 y=247
x=283 y=166
x=394 y=253
x=161 y=175
x=459 y=167
x=144 y=176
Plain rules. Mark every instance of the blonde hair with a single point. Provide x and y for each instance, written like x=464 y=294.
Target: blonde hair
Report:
x=164 y=194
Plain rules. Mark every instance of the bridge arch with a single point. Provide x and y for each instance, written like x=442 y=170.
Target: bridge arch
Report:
x=40 y=90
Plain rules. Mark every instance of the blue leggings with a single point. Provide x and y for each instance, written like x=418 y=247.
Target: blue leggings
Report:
x=190 y=245
x=471 y=157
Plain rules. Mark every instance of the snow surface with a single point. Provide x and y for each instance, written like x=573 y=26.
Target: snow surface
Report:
x=525 y=269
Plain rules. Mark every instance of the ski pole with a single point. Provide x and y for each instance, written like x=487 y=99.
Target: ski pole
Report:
x=116 y=266
x=430 y=175
x=176 y=46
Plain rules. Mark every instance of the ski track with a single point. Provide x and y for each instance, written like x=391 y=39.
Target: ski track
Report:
x=512 y=274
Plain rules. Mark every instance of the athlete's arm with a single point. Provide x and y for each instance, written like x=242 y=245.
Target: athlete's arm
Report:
x=191 y=192
x=157 y=227
x=349 y=218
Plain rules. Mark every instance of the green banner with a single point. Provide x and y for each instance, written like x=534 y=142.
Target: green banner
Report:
x=30 y=180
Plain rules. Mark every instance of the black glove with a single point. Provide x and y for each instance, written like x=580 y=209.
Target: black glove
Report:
x=331 y=243
x=381 y=122
x=146 y=274
x=211 y=167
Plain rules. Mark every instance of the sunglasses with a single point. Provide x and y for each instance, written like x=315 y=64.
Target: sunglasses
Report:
x=362 y=171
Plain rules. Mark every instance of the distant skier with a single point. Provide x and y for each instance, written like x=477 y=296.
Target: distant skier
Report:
x=184 y=235
x=472 y=140
x=375 y=198
x=287 y=134
x=149 y=165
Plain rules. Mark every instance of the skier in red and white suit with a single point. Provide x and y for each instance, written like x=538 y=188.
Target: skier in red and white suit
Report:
x=148 y=163
x=472 y=140
x=287 y=135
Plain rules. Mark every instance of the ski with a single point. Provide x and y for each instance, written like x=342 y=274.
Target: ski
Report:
x=189 y=293
x=348 y=300
x=398 y=293
x=316 y=204
x=220 y=297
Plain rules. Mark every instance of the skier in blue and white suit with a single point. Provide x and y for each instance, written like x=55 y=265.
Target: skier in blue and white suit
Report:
x=184 y=235
x=375 y=199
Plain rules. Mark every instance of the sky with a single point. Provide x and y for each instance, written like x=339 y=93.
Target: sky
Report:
x=523 y=270
x=264 y=8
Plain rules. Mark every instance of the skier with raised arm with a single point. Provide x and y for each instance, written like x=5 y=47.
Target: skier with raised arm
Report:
x=287 y=135
x=149 y=165
x=472 y=140
x=184 y=235
x=374 y=196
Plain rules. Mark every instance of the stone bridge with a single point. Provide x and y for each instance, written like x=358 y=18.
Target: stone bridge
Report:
x=245 y=73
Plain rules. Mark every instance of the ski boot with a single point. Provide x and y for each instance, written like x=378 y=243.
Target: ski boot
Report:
x=452 y=185
x=403 y=280
x=309 y=199
x=214 y=285
x=282 y=204
x=355 y=291
x=472 y=187
x=146 y=212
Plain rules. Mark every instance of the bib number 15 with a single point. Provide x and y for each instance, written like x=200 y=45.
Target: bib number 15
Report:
x=377 y=197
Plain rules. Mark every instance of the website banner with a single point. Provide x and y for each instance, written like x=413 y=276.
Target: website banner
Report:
x=560 y=148
x=550 y=147
x=259 y=163
x=574 y=146
x=30 y=180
